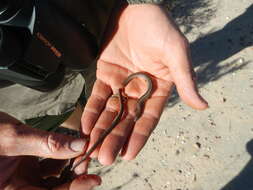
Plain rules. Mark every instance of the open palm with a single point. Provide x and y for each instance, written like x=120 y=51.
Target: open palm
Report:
x=145 y=39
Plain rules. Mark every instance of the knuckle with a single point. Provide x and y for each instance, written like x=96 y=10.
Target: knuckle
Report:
x=54 y=143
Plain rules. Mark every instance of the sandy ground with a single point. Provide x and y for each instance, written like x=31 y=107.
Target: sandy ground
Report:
x=212 y=149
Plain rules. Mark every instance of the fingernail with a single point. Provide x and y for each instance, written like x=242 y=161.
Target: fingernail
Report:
x=79 y=170
x=78 y=145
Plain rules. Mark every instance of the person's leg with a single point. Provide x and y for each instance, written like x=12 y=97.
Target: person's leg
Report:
x=48 y=122
x=68 y=123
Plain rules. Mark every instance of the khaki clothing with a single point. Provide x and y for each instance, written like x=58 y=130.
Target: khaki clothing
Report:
x=24 y=103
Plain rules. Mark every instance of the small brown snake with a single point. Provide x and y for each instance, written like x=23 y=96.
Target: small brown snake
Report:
x=115 y=122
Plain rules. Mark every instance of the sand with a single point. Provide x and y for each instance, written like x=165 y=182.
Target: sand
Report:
x=202 y=150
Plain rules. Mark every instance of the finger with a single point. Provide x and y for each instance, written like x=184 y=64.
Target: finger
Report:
x=104 y=122
x=95 y=106
x=82 y=168
x=17 y=140
x=114 y=142
x=179 y=62
x=84 y=182
x=144 y=127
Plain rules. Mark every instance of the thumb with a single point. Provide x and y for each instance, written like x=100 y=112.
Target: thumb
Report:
x=84 y=182
x=17 y=139
x=183 y=75
x=187 y=89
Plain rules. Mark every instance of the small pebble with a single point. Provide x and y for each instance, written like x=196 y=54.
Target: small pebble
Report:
x=195 y=178
x=164 y=163
x=241 y=60
x=206 y=156
x=180 y=107
x=135 y=175
x=181 y=133
x=197 y=145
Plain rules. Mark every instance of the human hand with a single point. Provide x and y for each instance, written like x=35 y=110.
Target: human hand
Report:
x=144 y=39
x=20 y=147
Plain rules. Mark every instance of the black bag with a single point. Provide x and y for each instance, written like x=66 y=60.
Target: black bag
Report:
x=38 y=40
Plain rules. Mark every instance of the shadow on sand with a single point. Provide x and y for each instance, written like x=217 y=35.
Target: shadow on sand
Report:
x=209 y=50
x=244 y=180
